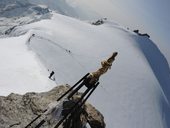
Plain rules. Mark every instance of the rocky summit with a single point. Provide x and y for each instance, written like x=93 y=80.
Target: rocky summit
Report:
x=17 y=111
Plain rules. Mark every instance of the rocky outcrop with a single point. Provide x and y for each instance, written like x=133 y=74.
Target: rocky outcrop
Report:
x=16 y=111
x=140 y=34
x=99 y=22
x=94 y=117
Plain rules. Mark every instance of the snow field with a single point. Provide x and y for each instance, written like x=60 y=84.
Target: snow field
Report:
x=131 y=93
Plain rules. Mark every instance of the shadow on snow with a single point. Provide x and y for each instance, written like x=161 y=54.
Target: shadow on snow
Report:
x=161 y=70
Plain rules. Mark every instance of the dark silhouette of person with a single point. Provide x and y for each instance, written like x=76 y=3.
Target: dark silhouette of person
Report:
x=51 y=74
x=31 y=37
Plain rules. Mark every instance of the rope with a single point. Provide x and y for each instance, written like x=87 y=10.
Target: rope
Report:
x=72 y=55
x=66 y=50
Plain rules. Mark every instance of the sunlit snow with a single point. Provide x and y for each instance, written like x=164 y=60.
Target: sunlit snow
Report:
x=133 y=94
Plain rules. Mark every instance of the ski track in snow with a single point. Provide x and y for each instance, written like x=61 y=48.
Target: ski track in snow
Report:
x=133 y=92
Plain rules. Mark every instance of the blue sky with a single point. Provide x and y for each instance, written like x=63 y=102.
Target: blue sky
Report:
x=150 y=16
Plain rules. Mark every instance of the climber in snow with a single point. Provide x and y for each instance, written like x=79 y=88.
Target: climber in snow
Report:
x=31 y=37
x=51 y=74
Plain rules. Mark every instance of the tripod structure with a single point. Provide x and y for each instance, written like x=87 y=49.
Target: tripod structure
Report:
x=81 y=101
x=90 y=81
x=84 y=81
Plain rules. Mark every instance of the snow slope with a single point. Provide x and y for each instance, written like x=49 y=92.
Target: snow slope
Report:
x=20 y=69
x=133 y=94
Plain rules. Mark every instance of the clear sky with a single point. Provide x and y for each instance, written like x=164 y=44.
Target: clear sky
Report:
x=150 y=16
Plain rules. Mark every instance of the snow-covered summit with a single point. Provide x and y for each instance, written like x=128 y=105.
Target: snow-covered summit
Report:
x=133 y=94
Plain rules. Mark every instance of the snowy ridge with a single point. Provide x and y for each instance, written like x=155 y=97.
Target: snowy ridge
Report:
x=20 y=69
x=161 y=71
x=133 y=94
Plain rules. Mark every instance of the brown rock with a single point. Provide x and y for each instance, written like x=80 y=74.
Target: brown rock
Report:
x=16 y=111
